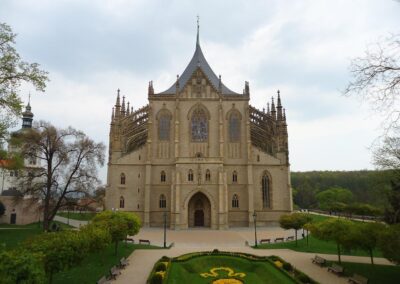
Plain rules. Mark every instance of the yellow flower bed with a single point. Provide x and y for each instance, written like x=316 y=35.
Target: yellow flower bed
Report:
x=278 y=264
x=162 y=273
x=227 y=281
x=231 y=273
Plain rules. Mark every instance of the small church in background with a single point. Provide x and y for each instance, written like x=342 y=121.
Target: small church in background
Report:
x=199 y=152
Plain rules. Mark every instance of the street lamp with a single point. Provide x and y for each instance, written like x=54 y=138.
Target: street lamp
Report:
x=255 y=228
x=165 y=229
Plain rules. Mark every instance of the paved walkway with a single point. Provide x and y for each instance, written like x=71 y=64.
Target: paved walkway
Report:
x=71 y=222
x=186 y=241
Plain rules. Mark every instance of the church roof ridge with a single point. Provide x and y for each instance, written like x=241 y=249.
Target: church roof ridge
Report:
x=198 y=61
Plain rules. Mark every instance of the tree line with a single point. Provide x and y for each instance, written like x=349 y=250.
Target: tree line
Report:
x=360 y=187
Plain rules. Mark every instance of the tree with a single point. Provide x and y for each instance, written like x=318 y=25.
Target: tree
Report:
x=294 y=221
x=119 y=225
x=337 y=230
x=366 y=236
x=14 y=71
x=334 y=198
x=389 y=243
x=70 y=161
x=376 y=79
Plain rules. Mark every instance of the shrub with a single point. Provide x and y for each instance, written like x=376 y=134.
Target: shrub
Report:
x=287 y=266
x=303 y=278
x=21 y=267
x=164 y=258
x=156 y=279
x=160 y=267
x=215 y=251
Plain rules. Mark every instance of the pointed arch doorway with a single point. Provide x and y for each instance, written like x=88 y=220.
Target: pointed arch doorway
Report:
x=199 y=211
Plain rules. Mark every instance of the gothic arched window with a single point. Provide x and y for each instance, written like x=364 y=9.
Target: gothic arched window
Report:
x=199 y=125
x=234 y=177
x=122 y=178
x=163 y=201
x=163 y=176
x=121 y=202
x=234 y=127
x=190 y=175
x=208 y=175
x=235 y=201
x=266 y=191
x=164 y=127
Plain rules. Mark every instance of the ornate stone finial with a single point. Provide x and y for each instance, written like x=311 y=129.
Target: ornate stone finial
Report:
x=279 y=99
x=127 y=109
x=198 y=31
x=117 y=104
x=246 y=88
x=268 y=112
x=151 y=89
x=112 y=114
x=123 y=105
x=273 y=110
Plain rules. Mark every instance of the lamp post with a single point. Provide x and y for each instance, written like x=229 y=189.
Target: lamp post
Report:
x=165 y=229
x=255 y=228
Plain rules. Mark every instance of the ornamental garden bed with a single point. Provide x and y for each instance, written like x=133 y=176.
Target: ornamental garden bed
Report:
x=218 y=267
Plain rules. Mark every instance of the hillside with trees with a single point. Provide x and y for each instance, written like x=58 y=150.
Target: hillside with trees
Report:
x=312 y=189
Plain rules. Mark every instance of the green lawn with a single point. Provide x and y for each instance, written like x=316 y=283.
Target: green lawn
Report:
x=377 y=274
x=316 y=246
x=255 y=271
x=12 y=235
x=94 y=266
x=84 y=216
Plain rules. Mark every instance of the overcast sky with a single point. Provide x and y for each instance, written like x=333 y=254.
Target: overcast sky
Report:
x=303 y=48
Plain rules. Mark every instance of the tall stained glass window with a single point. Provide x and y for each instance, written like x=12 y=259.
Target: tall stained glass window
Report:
x=199 y=125
x=164 y=127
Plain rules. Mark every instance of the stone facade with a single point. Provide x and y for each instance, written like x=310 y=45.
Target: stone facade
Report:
x=201 y=153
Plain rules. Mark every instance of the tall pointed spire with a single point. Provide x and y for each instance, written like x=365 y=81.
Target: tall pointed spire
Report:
x=123 y=106
x=117 y=105
x=198 y=31
x=279 y=106
x=127 y=109
x=273 y=111
x=27 y=115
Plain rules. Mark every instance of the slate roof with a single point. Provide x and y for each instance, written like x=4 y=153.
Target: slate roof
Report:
x=198 y=61
x=11 y=192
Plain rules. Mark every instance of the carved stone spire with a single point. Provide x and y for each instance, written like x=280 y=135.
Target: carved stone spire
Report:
x=268 y=111
x=198 y=31
x=279 y=106
x=127 y=109
x=151 y=89
x=246 y=90
x=273 y=110
x=117 y=105
x=123 y=106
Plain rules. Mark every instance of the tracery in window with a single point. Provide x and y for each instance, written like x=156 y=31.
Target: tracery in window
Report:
x=235 y=201
x=121 y=202
x=208 y=175
x=190 y=175
x=234 y=177
x=122 y=178
x=164 y=127
x=199 y=125
x=234 y=127
x=265 y=184
x=163 y=176
x=163 y=201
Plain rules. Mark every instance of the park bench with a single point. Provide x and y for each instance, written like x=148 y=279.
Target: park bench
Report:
x=144 y=242
x=337 y=269
x=358 y=279
x=291 y=238
x=114 y=272
x=319 y=260
x=279 y=239
x=123 y=262
x=130 y=239
x=263 y=241
x=103 y=280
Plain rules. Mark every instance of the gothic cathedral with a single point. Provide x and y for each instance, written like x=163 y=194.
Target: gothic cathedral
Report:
x=201 y=153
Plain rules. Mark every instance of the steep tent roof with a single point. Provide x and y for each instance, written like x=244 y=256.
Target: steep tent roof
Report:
x=198 y=61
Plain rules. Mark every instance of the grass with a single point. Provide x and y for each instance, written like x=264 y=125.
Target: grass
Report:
x=316 y=246
x=376 y=274
x=255 y=271
x=12 y=235
x=81 y=216
x=96 y=265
